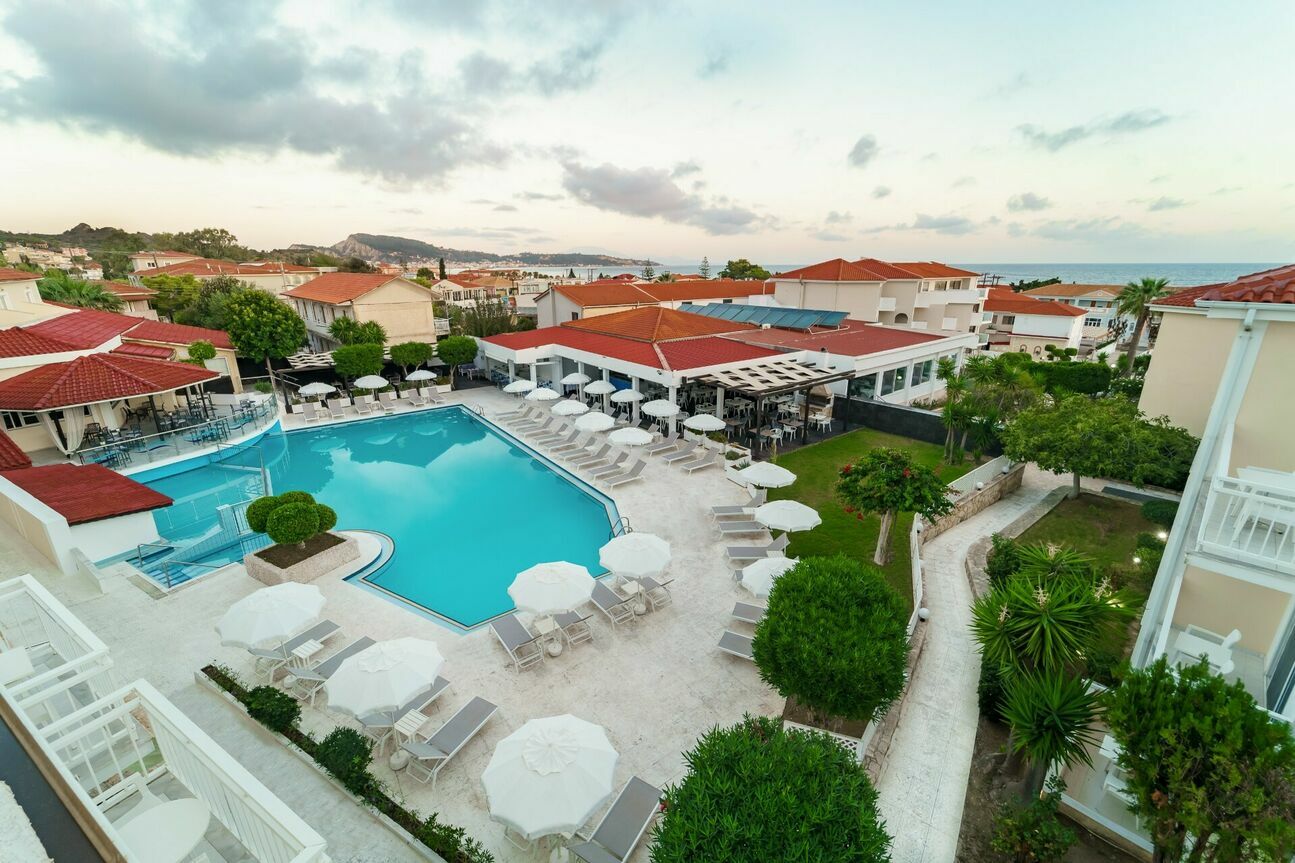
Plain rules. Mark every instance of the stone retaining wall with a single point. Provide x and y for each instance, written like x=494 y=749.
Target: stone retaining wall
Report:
x=975 y=501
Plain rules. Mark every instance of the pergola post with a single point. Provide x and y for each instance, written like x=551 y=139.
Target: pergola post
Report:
x=804 y=415
x=607 y=376
x=512 y=371
x=634 y=406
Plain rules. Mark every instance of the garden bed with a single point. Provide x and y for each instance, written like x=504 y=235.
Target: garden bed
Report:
x=1103 y=528
x=284 y=556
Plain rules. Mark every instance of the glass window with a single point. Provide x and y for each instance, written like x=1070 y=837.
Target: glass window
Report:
x=922 y=372
x=1092 y=322
x=864 y=387
x=893 y=380
x=1007 y=320
x=19 y=419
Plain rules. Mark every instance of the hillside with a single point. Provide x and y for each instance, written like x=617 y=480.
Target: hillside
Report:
x=384 y=247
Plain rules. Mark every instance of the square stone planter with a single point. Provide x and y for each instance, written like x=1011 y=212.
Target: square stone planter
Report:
x=442 y=388
x=307 y=570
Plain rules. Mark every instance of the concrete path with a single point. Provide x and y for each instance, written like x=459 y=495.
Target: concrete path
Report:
x=925 y=779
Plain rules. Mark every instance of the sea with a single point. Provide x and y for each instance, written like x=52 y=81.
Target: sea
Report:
x=1179 y=275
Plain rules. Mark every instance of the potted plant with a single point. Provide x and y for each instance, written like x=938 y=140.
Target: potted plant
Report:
x=304 y=545
x=443 y=384
x=715 y=441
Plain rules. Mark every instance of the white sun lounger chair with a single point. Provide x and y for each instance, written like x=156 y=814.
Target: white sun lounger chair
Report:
x=589 y=455
x=337 y=408
x=417 y=399
x=748 y=612
x=309 y=681
x=736 y=644
x=657 y=592
x=634 y=472
x=309 y=412
x=270 y=660
x=710 y=459
x=624 y=825
x=575 y=626
x=613 y=466
x=747 y=553
x=565 y=435
x=536 y=427
x=740 y=510
x=379 y=726
x=523 y=647
x=688 y=452
x=666 y=444
x=387 y=401
x=428 y=757
x=738 y=528
x=364 y=404
x=576 y=445
x=615 y=607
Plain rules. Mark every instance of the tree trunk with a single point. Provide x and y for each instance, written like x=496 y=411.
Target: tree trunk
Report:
x=948 y=445
x=1133 y=342
x=882 y=555
x=1074 y=488
x=1035 y=776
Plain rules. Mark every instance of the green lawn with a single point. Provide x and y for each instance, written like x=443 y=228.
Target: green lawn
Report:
x=816 y=469
x=1104 y=529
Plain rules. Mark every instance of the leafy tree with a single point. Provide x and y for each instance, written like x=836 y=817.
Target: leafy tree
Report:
x=262 y=327
x=571 y=273
x=456 y=351
x=1003 y=560
x=743 y=269
x=348 y=331
x=1135 y=301
x=210 y=308
x=59 y=287
x=648 y=273
x=173 y=293
x=887 y=481
x=1162 y=512
x=1064 y=378
x=273 y=708
x=524 y=324
x=346 y=754
x=440 y=268
x=356 y=361
x=756 y=792
x=1052 y=714
x=484 y=318
x=426 y=273
x=1033 y=833
x=834 y=638
x=1203 y=760
x=410 y=355
x=201 y=351
x=206 y=242
x=356 y=265
x=704 y=268
x=1024 y=285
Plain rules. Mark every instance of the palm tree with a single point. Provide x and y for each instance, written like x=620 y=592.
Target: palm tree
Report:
x=1052 y=716
x=57 y=286
x=1135 y=301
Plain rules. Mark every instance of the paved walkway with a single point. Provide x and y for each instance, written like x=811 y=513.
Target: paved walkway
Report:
x=925 y=780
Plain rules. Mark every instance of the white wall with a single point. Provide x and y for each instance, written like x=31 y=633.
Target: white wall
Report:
x=110 y=537
x=45 y=529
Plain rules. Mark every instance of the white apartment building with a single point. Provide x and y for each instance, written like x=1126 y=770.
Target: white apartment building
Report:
x=1097 y=301
x=1024 y=324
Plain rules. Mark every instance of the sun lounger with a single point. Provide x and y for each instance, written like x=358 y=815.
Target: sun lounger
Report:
x=309 y=412
x=521 y=409
x=688 y=452
x=309 y=681
x=624 y=825
x=432 y=396
x=337 y=408
x=748 y=612
x=417 y=399
x=541 y=429
x=379 y=726
x=665 y=445
x=615 y=607
x=590 y=455
x=740 y=510
x=738 y=528
x=736 y=644
x=523 y=647
x=658 y=596
x=566 y=435
x=364 y=404
x=275 y=658
x=429 y=756
x=746 y=554
x=634 y=472
x=614 y=466
x=387 y=401
x=575 y=626
x=576 y=445
x=710 y=459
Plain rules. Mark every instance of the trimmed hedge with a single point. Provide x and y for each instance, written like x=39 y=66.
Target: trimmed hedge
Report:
x=346 y=754
x=1161 y=512
x=273 y=708
x=293 y=523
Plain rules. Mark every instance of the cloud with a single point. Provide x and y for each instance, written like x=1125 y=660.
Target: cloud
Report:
x=683 y=169
x=537 y=196
x=948 y=224
x=838 y=218
x=963 y=181
x=1164 y=202
x=881 y=192
x=1226 y=190
x=829 y=237
x=1018 y=82
x=652 y=193
x=1027 y=201
x=864 y=151
x=1159 y=178
x=505 y=208
x=1127 y=123
x=716 y=63
x=1097 y=230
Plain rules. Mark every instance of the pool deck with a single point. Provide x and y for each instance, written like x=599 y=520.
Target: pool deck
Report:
x=655 y=684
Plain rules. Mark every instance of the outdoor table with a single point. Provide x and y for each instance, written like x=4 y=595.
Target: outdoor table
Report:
x=548 y=629
x=167 y=833
x=304 y=651
x=796 y=426
x=635 y=591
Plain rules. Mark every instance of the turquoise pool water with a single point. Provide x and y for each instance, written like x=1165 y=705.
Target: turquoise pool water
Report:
x=467 y=507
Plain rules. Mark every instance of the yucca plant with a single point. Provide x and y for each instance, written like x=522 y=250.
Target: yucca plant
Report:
x=1052 y=715
x=1040 y=561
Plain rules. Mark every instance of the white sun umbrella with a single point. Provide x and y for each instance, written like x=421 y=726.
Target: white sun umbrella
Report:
x=787 y=515
x=630 y=436
x=522 y=386
x=659 y=408
x=384 y=676
x=570 y=408
x=575 y=379
x=550 y=776
x=766 y=475
x=317 y=389
x=271 y=613
x=595 y=421
x=372 y=382
x=635 y=555
x=600 y=388
x=704 y=423
x=551 y=588
x=758 y=577
x=420 y=375
x=626 y=396
x=543 y=394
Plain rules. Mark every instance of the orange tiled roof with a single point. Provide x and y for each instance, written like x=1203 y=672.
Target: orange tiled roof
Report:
x=177 y=334
x=215 y=267
x=11 y=455
x=82 y=493
x=1005 y=301
x=934 y=270
x=873 y=270
x=336 y=288
x=1070 y=290
x=8 y=274
x=654 y=324
x=1267 y=286
x=95 y=378
x=124 y=290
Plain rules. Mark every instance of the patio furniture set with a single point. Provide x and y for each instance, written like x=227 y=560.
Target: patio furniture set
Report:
x=383 y=403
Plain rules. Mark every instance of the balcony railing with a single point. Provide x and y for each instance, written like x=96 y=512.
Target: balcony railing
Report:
x=1250 y=522
x=926 y=299
x=886 y=304
x=131 y=451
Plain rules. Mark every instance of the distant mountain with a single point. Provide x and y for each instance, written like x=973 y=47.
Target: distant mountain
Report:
x=373 y=247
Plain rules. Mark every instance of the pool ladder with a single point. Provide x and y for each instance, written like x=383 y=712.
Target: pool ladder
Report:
x=621 y=527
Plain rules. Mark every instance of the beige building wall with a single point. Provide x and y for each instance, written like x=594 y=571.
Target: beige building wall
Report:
x=1186 y=366
x=1261 y=436
x=1029 y=343
x=404 y=310
x=1221 y=603
x=860 y=300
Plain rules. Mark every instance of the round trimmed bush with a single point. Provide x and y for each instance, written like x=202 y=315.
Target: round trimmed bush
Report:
x=327 y=517
x=346 y=754
x=259 y=510
x=296 y=497
x=1161 y=512
x=834 y=638
x=293 y=523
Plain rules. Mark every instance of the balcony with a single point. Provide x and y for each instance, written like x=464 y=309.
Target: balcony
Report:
x=886 y=304
x=949 y=324
x=1251 y=520
x=441 y=326
x=926 y=299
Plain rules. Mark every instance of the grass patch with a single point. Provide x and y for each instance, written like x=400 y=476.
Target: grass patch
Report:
x=816 y=469
x=1104 y=529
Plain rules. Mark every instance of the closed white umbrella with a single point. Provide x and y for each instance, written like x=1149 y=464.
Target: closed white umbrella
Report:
x=766 y=475
x=600 y=388
x=384 y=676
x=372 y=382
x=659 y=408
x=596 y=421
x=316 y=389
x=420 y=375
x=626 y=396
x=543 y=394
x=522 y=386
x=630 y=436
x=271 y=613
x=575 y=379
x=551 y=588
x=787 y=515
x=759 y=577
x=635 y=555
x=704 y=423
x=570 y=408
x=550 y=776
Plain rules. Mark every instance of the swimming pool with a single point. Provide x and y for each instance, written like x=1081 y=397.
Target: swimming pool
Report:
x=467 y=506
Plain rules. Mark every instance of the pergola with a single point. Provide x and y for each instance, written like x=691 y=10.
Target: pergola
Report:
x=769 y=379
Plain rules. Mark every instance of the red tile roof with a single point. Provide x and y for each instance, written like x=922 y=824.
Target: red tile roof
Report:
x=11 y=275
x=708 y=289
x=125 y=291
x=853 y=338
x=887 y=270
x=1009 y=302
x=336 y=288
x=22 y=342
x=95 y=378
x=604 y=293
x=177 y=334
x=629 y=350
x=164 y=255
x=11 y=456
x=1267 y=286
x=873 y=270
x=654 y=323
x=85 y=328
x=82 y=493
x=155 y=352
x=214 y=267
x=1187 y=297
x=683 y=354
x=934 y=270
x=1071 y=290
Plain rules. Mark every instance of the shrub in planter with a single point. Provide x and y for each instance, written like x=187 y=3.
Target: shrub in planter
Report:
x=263 y=387
x=1003 y=560
x=756 y=793
x=451 y=842
x=293 y=523
x=1161 y=512
x=327 y=517
x=345 y=753
x=1033 y=833
x=273 y=708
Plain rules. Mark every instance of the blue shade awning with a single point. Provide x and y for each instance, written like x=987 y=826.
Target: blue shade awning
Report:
x=773 y=316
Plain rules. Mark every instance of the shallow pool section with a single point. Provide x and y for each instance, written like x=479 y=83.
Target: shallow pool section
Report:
x=467 y=506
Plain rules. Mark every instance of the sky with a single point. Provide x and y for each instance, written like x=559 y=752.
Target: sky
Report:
x=995 y=131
